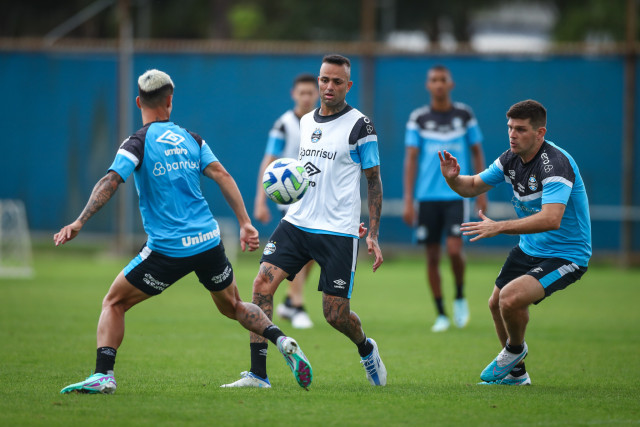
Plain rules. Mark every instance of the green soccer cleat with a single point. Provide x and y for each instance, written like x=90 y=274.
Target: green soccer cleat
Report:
x=296 y=360
x=96 y=383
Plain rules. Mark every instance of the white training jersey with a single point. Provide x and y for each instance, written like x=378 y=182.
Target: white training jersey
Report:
x=334 y=150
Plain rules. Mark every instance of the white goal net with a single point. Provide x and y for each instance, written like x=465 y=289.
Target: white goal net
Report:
x=15 y=242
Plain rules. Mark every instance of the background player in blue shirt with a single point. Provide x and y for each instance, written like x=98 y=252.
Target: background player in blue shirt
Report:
x=284 y=141
x=451 y=126
x=167 y=162
x=553 y=222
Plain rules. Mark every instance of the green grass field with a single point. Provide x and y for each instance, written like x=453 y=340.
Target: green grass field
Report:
x=584 y=353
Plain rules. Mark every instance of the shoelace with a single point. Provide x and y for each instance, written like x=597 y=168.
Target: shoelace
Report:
x=369 y=364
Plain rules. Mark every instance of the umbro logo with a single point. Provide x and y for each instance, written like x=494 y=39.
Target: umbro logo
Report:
x=340 y=283
x=537 y=270
x=311 y=169
x=170 y=138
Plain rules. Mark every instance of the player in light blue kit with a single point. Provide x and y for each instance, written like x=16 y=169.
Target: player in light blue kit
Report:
x=451 y=126
x=553 y=222
x=183 y=237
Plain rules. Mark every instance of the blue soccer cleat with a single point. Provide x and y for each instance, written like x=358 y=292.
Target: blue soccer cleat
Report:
x=96 y=383
x=502 y=365
x=296 y=360
x=373 y=366
x=510 y=380
x=460 y=312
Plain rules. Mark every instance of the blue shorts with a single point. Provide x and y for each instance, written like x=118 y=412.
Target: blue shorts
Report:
x=290 y=248
x=554 y=274
x=152 y=272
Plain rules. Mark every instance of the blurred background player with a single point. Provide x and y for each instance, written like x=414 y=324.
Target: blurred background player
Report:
x=183 y=237
x=284 y=141
x=553 y=222
x=340 y=143
x=451 y=126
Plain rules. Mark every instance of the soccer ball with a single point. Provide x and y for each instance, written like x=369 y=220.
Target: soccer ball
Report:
x=285 y=181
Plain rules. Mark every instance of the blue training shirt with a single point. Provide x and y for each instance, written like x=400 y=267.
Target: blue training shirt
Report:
x=431 y=131
x=552 y=176
x=166 y=161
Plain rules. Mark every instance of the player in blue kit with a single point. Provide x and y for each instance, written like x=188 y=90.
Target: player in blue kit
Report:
x=450 y=126
x=553 y=222
x=337 y=144
x=284 y=141
x=183 y=237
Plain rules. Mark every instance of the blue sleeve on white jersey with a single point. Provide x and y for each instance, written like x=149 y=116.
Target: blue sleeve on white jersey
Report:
x=122 y=165
x=555 y=192
x=206 y=156
x=494 y=174
x=367 y=154
x=363 y=144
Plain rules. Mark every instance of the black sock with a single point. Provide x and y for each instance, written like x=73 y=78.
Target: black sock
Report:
x=515 y=349
x=365 y=347
x=272 y=333
x=287 y=302
x=105 y=360
x=259 y=359
x=439 y=306
x=518 y=370
x=459 y=293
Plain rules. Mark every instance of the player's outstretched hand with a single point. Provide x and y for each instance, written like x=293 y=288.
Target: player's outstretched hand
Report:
x=249 y=238
x=362 y=231
x=485 y=228
x=374 y=248
x=66 y=233
x=448 y=165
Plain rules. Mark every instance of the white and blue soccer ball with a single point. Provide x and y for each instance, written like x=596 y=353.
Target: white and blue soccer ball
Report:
x=285 y=181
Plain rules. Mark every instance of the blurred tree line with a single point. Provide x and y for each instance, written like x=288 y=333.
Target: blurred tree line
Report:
x=331 y=20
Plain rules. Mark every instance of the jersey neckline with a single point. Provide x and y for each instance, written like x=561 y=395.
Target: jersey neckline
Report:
x=324 y=119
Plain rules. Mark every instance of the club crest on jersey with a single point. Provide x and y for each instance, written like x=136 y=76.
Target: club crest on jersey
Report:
x=533 y=184
x=316 y=135
x=269 y=248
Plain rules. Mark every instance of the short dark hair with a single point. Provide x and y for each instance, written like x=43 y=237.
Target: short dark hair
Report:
x=155 y=98
x=439 y=67
x=529 y=109
x=305 y=78
x=337 y=60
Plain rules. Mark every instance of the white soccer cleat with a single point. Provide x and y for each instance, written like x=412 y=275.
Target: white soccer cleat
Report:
x=301 y=320
x=285 y=312
x=460 y=312
x=442 y=324
x=373 y=366
x=249 y=379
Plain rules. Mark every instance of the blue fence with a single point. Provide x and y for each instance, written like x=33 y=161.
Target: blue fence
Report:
x=59 y=132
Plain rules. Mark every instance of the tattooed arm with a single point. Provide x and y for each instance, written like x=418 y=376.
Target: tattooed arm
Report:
x=102 y=192
x=374 y=199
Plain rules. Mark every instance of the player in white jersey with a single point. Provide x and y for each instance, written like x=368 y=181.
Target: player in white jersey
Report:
x=167 y=162
x=284 y=141
x=337 y=143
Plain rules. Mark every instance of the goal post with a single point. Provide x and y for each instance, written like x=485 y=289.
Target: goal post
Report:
x=16 y=259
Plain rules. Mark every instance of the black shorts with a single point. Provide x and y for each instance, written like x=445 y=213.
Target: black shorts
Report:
x=554 y=274
x=152 y=272
x=436 y=217
x=290 y=248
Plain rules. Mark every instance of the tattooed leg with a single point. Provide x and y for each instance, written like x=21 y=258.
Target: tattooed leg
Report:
x=264 y=286
x=247 y=314
x=338 y=313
